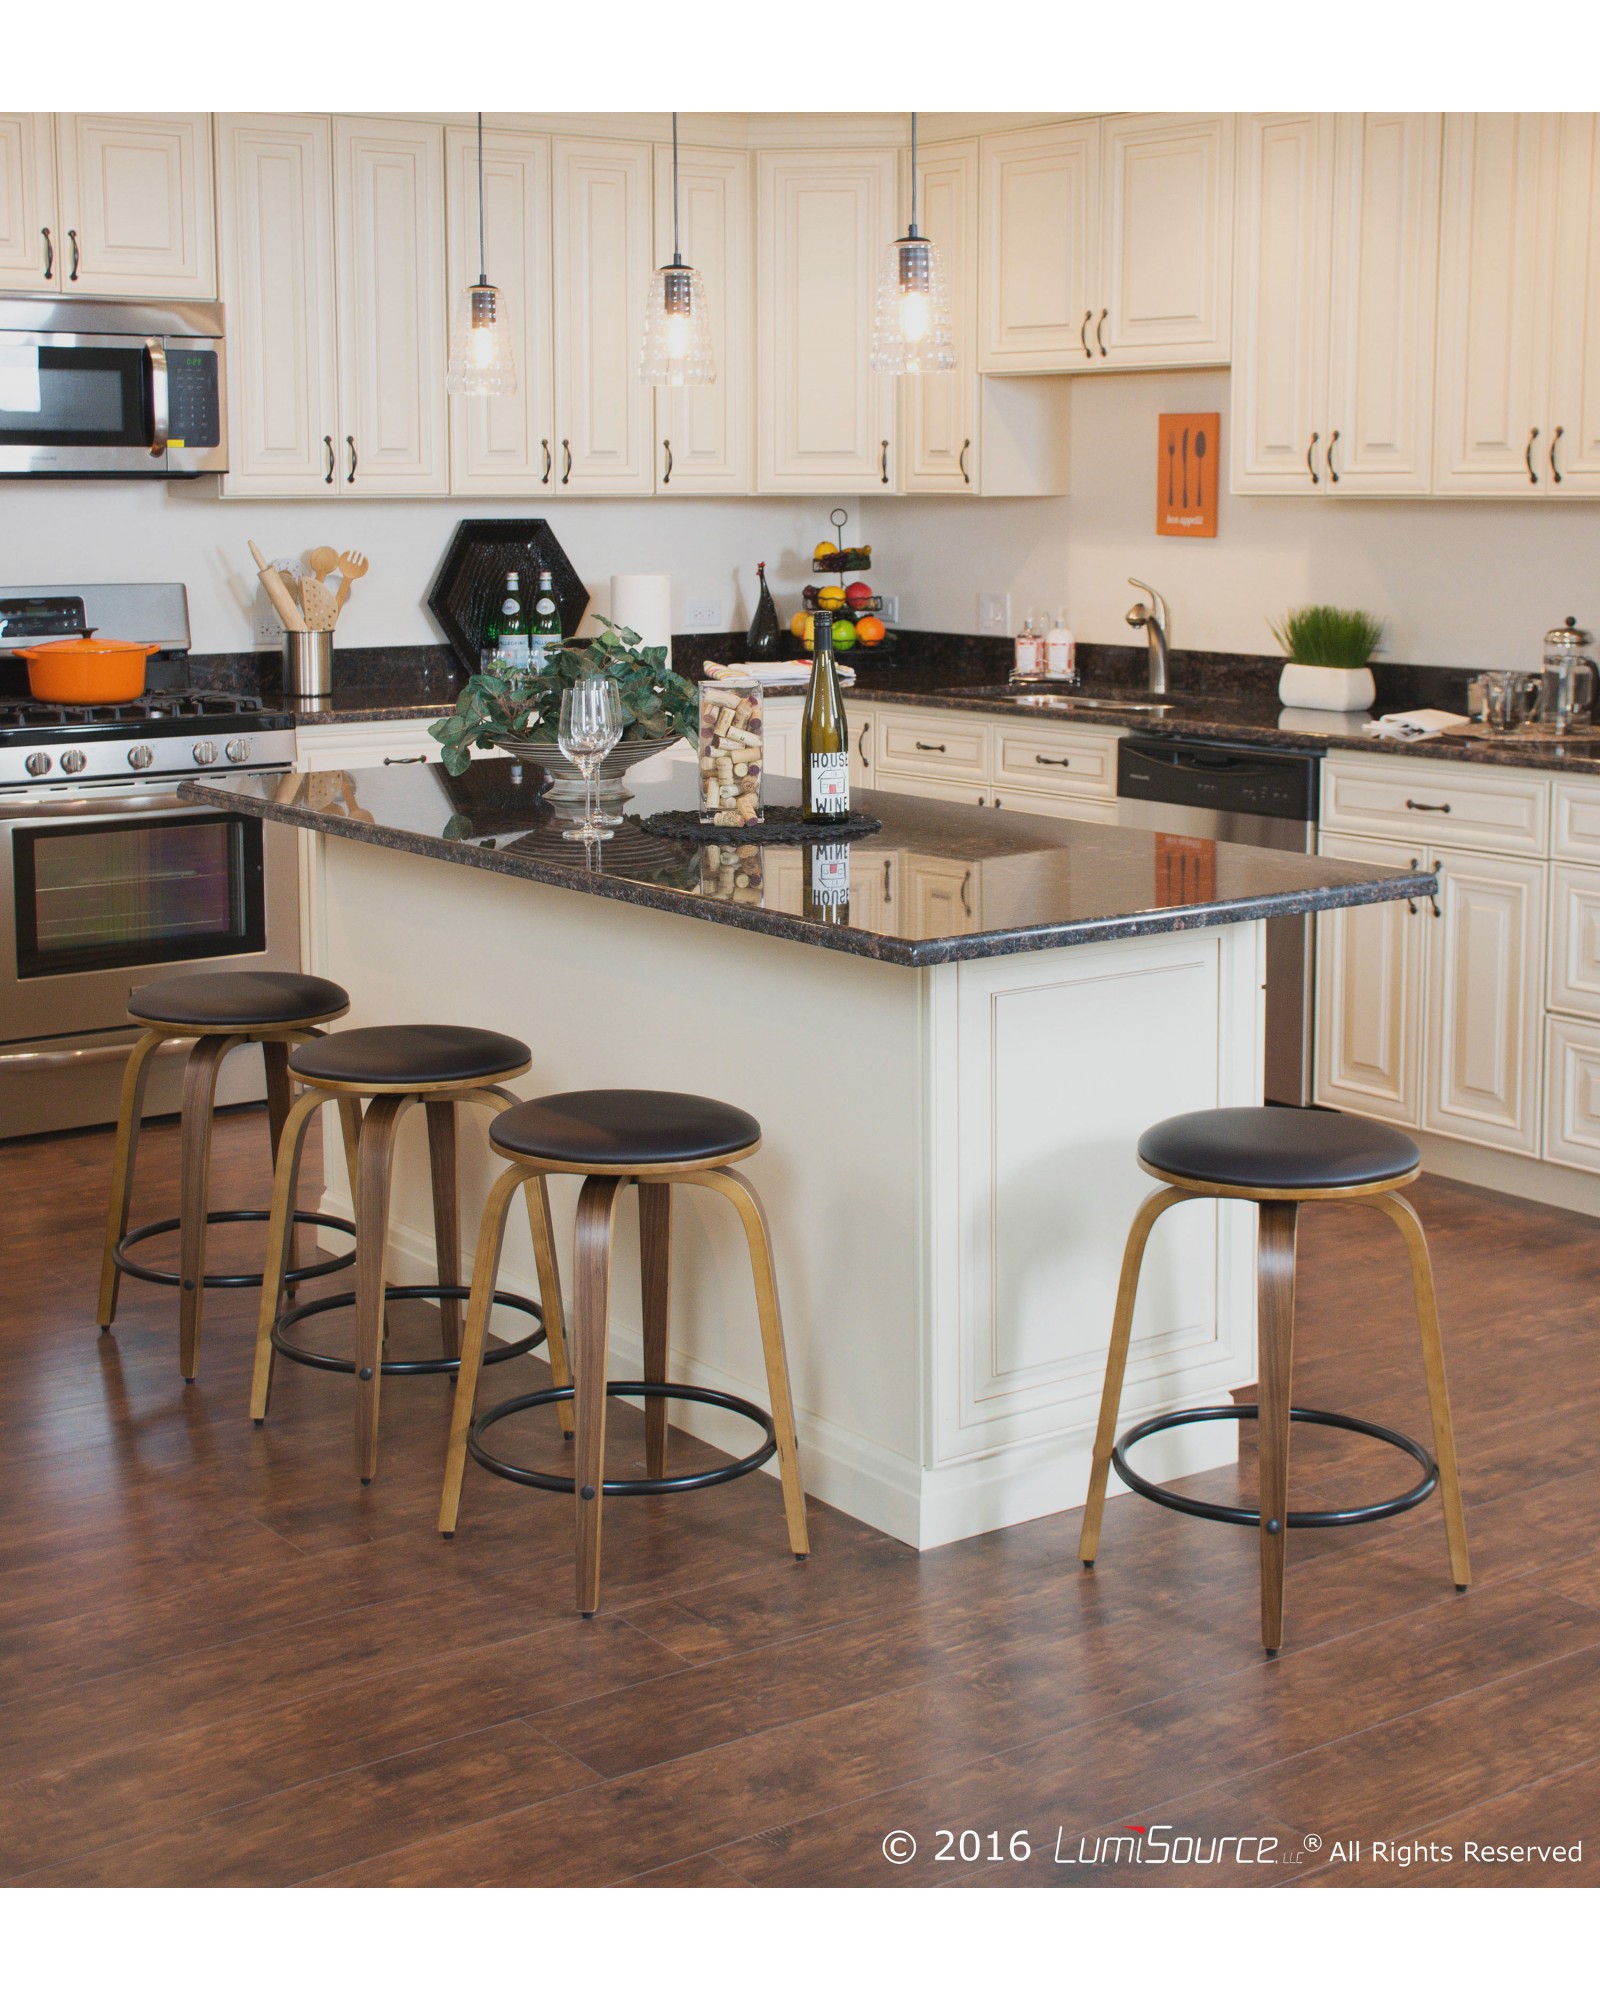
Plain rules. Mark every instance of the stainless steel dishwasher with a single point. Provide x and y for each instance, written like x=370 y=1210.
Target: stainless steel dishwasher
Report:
x=1254 y=798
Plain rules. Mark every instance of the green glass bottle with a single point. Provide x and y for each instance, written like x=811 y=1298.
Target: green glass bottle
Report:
x=511 y=630
x=824 y=736
x=544 y=628
x=826 y=881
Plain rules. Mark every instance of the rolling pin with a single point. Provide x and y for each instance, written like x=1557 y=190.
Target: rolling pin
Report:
x=277 y=590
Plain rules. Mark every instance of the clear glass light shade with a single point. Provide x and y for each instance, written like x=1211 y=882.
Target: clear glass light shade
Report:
x=677 y=331
x=912 y=333
x=482 y=361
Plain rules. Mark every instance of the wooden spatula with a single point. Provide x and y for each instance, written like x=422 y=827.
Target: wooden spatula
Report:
x=322 y=614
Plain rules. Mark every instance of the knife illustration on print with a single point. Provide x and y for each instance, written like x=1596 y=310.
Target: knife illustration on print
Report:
x=1186 y=467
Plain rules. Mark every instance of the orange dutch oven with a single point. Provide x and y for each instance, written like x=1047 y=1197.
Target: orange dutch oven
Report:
x=84 y=672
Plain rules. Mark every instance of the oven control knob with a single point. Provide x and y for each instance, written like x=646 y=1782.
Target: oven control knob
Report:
x=238 y=750
x=72 y=761
x=36 y=763
x=205 y=752
x=141 y=756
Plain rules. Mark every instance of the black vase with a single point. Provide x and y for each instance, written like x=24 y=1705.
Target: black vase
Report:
x=765 y=637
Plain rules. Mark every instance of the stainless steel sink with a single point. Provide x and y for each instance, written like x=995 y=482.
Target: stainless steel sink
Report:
x=1066 y=704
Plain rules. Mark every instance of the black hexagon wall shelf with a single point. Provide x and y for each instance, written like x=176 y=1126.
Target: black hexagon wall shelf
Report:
x=470 y=579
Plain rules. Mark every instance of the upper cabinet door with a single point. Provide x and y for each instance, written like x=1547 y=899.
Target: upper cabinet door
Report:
x=1385 y=274
x=825 y=419
x=601 y=244
x=275 y=194
x=30 y=236
x=137 y=215
x=1167 y=257
x=703 y=434
x=1281 y=310
x=1572 y=455
x=1496 y=255
x=390 y=274
x=1040 y=261
x=939 y=413
x=503 y=444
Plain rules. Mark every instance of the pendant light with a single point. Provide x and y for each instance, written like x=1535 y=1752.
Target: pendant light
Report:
x=677 y=321
x=911 y=334
x=482 y=362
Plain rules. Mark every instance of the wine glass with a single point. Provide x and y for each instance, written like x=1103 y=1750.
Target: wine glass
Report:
x=591 y=726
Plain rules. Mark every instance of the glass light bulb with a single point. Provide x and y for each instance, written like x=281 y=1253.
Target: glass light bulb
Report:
x=679 y=335
x=912 y=332
x=482 y=359
x=676 y=351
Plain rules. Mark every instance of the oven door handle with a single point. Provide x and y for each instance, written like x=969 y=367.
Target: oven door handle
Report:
x=115 y=806
x=13 y=1060
x=160 y=409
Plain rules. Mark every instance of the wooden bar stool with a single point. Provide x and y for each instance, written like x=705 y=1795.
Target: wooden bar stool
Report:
x=393 y=1068
x=1279 y=1158
x=218 y=1011
x=655 y=1139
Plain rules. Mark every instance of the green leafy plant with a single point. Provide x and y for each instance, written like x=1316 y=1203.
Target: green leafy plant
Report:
x=495 y=710
x=1321 y=635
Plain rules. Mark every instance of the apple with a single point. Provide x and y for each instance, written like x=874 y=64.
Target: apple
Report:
x=857 y=595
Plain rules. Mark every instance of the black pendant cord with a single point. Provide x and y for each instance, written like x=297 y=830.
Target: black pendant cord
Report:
x=677 y=254
x=912 y=232
x=483 y=263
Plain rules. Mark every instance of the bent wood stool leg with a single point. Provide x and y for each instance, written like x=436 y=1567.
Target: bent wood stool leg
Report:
x=753 y=1215
x=199 y=1100
x=374 y=1176
x=1409 y=1223
x=655 y=1273
x=129 y=1114
x=541 y=1225
x=1275 y=1293
x=285 y=1181
x=485 y=1270
x=1116 y=1365
x=446 y=1215
x=280 y=1096
x=597 y=1209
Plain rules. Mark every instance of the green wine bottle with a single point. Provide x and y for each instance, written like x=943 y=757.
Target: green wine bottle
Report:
x=824 y=737
x=511 y=630
x=544 y=628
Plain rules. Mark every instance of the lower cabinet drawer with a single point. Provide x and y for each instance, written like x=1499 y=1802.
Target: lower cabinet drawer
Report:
x=1056 y=760
x=1574 y=969
x=1575 y=835
x=1058 y=805
x=1447 y=805
x=1572 y=1093
x=933 y=746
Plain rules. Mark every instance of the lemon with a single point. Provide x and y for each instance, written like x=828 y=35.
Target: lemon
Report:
x=830 y=598
x=823 y=550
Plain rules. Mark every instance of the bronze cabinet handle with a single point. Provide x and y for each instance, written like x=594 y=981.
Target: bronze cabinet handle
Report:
x=1333 y=439
x=350 y=476
x=932 y=746
x=1416 y=806
x=407 y=760
x=1100 y=332
x=883 y=464
x=566 y=460
x=887 y=861
x=549 y=462
x=861 y=741
x=666 y=446
x=1311 y=453
x=966 y=884
x=966 y=446
x=49 y=254
x=1555 y=438
x=1083 y=335
x=1527 y=457
x=72 y=238
x=327 y=477
x=1064 y=762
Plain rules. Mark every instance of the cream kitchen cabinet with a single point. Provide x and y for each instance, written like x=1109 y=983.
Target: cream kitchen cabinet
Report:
x=1108 y=243
x=825 y=420
x=1369 y=996
x=504 y=444
x=1518 y=409
x=101 y=203
x=601 y=249
x=962 y=431
x=1057 y=769
x=334 y=275
x=358 y=746
x=703 y=434
x=1334 y=309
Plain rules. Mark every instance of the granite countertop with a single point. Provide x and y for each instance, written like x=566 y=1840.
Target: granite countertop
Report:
x=1011 y=882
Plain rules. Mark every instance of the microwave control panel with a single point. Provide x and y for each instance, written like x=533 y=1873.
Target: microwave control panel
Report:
x=194 y=410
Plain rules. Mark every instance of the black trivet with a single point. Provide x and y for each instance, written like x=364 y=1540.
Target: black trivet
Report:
x=782 y=826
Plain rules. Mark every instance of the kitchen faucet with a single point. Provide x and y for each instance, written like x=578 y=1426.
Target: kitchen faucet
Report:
x=1156 y=620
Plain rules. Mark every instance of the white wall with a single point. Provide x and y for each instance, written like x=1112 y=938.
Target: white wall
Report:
x=1470 y=583
x=110 y=532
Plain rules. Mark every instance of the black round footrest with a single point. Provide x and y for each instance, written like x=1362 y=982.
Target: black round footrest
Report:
x=438 y=1364
x=1250 y=1517
x=225 y=1280
x=687 y=1482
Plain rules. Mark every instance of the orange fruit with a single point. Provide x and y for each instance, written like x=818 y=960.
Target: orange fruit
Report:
x=870 y=631
x=798 y=624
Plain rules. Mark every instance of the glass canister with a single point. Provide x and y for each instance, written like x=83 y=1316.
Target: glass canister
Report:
x=1566 y=698
x=731 y=753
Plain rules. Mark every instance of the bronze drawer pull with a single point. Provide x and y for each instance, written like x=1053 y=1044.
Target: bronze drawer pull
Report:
x=1064 y=762
x=407 y=760
x=931 y=746
x=1416 y=806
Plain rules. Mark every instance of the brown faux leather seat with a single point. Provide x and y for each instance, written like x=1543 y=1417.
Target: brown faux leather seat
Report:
x=1274 y=1146
x=413 y=1053
x=233 y=999
x=624 y=1129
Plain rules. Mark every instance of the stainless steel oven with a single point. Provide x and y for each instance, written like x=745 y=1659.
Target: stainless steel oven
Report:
x=110 y=390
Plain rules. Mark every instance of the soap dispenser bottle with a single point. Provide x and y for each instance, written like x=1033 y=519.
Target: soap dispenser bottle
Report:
x=1026 y=663
x=1060 y=650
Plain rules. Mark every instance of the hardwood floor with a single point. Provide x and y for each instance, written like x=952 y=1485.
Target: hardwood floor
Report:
x=224 y=1661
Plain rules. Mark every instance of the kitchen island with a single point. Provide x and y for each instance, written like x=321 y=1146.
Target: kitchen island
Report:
x=950 y=1081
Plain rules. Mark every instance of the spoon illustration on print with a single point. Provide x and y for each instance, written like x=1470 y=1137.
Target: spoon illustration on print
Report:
x=1199 y=468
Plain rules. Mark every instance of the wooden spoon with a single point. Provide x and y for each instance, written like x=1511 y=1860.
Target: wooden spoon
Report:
x=322 y=562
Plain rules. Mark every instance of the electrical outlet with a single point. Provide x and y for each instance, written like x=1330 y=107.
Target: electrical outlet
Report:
x=268 y=624
x=891 y=609
x=704 y=614
x=994 y=611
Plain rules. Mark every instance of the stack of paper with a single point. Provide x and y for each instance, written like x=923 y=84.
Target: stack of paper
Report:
x=772 y=673
x=1415 y=722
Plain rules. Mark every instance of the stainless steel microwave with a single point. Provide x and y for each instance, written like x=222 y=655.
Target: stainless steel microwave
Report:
x=111 y=389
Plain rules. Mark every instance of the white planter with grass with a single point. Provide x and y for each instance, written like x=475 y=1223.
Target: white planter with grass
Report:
x=1328 y=650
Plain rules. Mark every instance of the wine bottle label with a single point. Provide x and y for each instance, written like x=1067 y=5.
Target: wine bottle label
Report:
x=830 y=875
x=828 y=773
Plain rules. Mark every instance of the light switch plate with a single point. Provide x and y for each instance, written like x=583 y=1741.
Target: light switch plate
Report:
x=994 y=611
x=704 y=614
x=891 y=609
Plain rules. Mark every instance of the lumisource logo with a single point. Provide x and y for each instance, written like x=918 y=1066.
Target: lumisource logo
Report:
x=1162 y=1846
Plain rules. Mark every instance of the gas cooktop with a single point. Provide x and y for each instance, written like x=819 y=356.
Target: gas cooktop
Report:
x=172 y=712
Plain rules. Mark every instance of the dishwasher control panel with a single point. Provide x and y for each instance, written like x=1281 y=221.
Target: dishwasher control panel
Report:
x=1218 y=777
